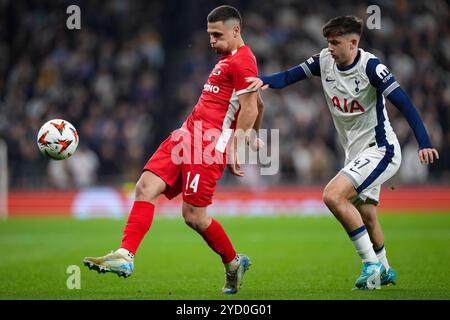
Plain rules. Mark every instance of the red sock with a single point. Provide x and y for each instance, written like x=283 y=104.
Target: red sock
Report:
x=139 y=221
x=218 y=240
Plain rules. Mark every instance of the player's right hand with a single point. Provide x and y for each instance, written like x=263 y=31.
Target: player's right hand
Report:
x=256 y=84
x=233 y=164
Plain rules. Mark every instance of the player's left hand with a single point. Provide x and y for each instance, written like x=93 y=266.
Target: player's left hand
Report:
x=427 y=155
x=256 y=83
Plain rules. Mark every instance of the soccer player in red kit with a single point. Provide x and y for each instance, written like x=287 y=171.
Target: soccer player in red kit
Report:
x=187 y=164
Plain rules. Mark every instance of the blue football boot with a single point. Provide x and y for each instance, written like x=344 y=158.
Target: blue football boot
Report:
x=389 y=277
x=370 y=277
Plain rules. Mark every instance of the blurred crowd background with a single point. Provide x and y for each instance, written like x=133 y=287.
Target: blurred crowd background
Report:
x=135 y=70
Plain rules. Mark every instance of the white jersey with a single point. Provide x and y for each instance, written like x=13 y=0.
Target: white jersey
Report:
x=355 y=97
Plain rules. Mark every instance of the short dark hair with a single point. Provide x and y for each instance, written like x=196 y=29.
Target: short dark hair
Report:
x=343 y=25
x=224 y=13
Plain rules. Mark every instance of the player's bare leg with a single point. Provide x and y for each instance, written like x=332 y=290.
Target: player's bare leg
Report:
x=369 y=215
x=214 y=235
x=148 y=188
x=196 y=217
x=336 y=196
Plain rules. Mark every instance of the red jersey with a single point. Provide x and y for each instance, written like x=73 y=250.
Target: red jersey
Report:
x=218 y=106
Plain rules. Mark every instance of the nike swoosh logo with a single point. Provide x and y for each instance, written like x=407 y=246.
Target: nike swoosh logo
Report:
x=328 y=80
x=188 y=194
x=351 y=169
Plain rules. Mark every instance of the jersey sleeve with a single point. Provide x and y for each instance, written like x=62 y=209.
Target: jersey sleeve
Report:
x=403 y=103
x=305 y=70
x=311 y=67
x=240 y=69
x=381 y=77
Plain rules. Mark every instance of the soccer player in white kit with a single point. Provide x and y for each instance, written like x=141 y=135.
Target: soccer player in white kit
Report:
x=355 y=84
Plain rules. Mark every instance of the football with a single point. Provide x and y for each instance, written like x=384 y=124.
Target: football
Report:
x=57 y=139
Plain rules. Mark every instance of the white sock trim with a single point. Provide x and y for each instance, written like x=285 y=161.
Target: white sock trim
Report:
x=381 y=255
x=364 y=247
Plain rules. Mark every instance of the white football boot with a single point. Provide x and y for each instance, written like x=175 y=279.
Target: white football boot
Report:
x=119 y=262
x=233 y=279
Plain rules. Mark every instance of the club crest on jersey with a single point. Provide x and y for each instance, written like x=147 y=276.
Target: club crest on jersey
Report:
x=344 y=107
x=357 y=82
x=216 y=72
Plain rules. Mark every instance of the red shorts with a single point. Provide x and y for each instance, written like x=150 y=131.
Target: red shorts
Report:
x=197 y=181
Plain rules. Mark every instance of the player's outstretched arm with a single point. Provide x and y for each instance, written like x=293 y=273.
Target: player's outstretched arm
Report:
x=305 y=70
x=256 y=84
x=277 y=80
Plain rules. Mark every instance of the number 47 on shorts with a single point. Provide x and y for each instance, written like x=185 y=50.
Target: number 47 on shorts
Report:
x=357 y=166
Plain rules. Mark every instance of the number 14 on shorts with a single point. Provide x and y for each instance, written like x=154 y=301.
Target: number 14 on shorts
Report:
x=191 y=185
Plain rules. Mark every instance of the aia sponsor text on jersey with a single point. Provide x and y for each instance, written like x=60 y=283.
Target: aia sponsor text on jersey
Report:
x=346 y=106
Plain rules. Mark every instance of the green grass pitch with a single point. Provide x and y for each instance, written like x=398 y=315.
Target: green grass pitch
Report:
x=293 y=258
